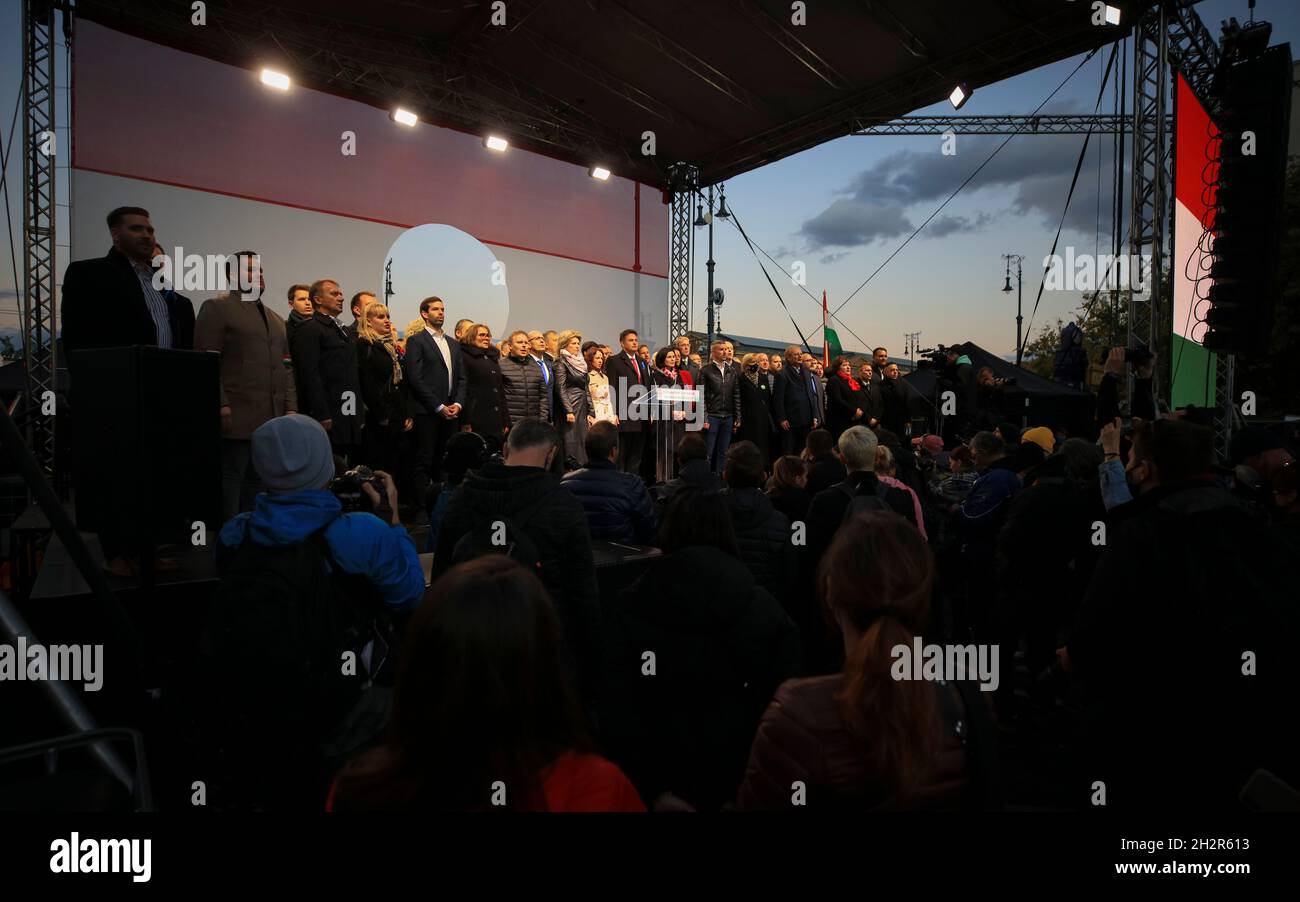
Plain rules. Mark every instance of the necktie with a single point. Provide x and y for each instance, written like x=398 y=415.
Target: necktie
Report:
x=636 y=365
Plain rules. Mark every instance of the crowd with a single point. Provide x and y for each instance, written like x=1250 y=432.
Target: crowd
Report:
x=1135 y=588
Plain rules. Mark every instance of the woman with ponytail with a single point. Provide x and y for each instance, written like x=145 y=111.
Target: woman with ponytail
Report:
x=862 y=739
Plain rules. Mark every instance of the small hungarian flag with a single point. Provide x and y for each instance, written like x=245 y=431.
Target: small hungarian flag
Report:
x=831 y=347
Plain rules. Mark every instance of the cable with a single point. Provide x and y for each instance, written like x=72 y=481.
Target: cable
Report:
x=5 y=155
x=1074 y=181
x=812 y=297
x=977 y=171
x=736 y=219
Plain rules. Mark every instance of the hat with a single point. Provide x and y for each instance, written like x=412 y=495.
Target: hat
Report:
x=1250 y=441
x=932 y=444
x=1040 y=436
x=292 y=453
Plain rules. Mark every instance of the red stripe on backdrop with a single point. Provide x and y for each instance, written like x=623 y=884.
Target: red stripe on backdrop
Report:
x=1194 y=130
x=399 y=225
x=151 y=112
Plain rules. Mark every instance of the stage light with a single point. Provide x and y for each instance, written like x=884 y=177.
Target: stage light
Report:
x=492 y=142
x=405 y=117
x=1112 y=14
x=959 y=96
x=273 y=79
x=599 y=172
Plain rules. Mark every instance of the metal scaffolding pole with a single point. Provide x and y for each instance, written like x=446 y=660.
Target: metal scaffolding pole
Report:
x=683 y=179
x=39 y=151
x=998 y=125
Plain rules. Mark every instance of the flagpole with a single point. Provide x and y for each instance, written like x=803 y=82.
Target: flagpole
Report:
x=826 y=349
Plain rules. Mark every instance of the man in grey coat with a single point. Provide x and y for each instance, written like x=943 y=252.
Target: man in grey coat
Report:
x=256 y=384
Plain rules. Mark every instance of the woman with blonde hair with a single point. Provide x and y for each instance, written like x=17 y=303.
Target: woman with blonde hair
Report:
x=602 y=407
x=383 y=389
x=571 y=379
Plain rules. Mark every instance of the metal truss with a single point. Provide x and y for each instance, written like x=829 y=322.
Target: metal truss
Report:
x=39 y=151
x=998 y=125
x=680 y=240
x=1152 y=179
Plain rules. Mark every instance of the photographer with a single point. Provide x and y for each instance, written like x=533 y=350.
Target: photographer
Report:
x=292 y=457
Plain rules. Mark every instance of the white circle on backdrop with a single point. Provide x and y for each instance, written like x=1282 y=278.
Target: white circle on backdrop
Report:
x=441 y=260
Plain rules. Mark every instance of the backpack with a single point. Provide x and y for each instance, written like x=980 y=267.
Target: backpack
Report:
x=279 y=711
x=861 y=502
x=504 y=535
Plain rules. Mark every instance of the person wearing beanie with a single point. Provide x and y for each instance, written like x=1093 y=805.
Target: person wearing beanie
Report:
x=1042 y=437
x=294 y=460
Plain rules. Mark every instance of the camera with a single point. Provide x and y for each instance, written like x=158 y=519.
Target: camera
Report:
x=348 y=489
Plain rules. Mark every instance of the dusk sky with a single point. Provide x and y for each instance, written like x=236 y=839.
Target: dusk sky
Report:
x=844 y=207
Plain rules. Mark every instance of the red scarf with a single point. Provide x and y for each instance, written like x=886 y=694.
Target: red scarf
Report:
x=853 y=383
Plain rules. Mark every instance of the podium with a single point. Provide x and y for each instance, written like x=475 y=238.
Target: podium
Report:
x=669 y=411
x=146 y=441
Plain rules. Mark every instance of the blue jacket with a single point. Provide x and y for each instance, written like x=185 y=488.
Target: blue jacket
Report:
x=360 y=543
x=982 y=512
x=617 y=504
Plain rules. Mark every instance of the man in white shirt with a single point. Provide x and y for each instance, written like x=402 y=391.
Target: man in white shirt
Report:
x=436 y=379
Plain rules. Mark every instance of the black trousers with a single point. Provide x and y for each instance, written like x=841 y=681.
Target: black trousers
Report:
x=431 y=434
x=795 y=438
x=630 y=447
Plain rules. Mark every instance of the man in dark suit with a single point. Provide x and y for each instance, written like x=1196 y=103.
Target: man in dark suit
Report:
x=360 y=301
x=873 y=403
x=545 y=360
x=436 y=378
x=629 y=384
x=796 y=402
x=684 y=362
x=111 y=302
x=325 y=367
x=879 y=360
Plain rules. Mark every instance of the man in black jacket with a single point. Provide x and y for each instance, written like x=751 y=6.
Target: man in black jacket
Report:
x=522 y=489
x=692 y=471
x=617 y=505
x=325 y=368
x=683 y=346
x=763 y=533
x=721 y=383
x=796 y=402
x=435 y=377
x=629 y=385
x=112 y=302
x=857 y=448
x=1186 y=636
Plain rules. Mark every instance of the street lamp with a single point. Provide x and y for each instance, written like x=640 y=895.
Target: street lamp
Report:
x=1020 y=292
x=702 y=219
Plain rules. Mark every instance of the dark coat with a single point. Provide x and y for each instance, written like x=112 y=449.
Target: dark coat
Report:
x=291 y=324
x=384 y=400
x=104 y=307
x=617 y=505
x=794 y=398
x=555 y=522
x=527 y=396
x=325 y=367
x=696 y=474
x=1188 y=582
x=427 y=378
x=721 y=392
x=873 y=401
x=803 y=737
x=766 y=541
x=823 y=473
x=622 y=376
x=841 y=403
x=756 y=424
x=571 y=392
x=719 y=655
x=486 y=409
x=793 y=502
x=894 y=410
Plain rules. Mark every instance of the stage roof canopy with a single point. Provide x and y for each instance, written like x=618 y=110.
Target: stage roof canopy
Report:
x=727 y=85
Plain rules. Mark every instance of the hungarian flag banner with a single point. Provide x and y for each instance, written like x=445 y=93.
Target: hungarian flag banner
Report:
x=831 y=347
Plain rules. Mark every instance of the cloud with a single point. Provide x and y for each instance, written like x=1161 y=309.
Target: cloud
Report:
x=831 y=258
x=1031 y=175
x=852 y=222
